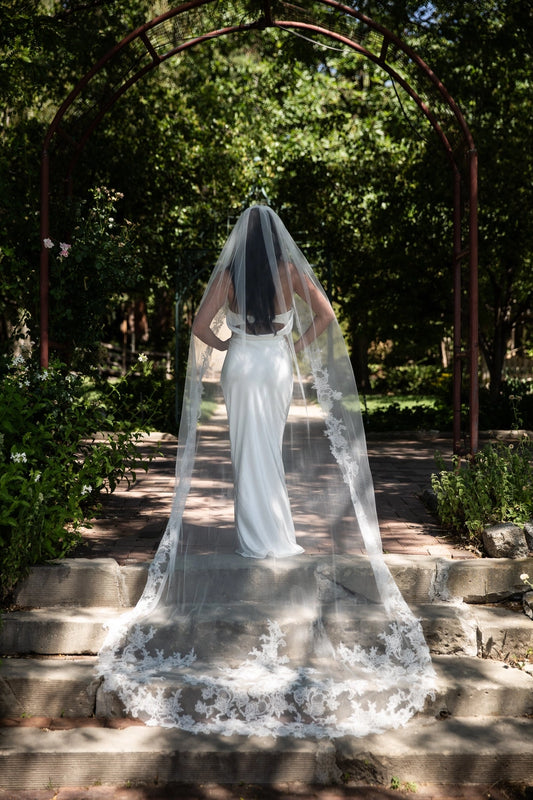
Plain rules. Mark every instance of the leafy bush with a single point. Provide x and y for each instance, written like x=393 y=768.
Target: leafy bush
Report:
x=512 y=409
x=411 y=379
x=496 y=485
x=144 y=394
x=88 y=275
x=52 y=466
x=394 y=417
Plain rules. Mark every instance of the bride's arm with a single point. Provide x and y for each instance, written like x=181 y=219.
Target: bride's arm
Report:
x=214 y=300
x=320 y=305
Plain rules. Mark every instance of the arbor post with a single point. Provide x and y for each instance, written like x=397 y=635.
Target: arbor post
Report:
x=44 y=265
x=474 y=303
x=457 y=305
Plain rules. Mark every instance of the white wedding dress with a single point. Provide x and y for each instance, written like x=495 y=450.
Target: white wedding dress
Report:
x=257 y=383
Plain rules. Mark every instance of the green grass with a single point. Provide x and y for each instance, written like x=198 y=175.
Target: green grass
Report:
x=383 y=401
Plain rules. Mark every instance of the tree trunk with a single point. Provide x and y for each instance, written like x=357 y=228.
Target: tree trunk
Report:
x=494 y=352
x=360 y=362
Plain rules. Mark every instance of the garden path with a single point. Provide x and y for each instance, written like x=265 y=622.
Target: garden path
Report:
x=133 y=518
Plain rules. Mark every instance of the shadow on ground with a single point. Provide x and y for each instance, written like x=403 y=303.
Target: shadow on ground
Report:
x=293 y=791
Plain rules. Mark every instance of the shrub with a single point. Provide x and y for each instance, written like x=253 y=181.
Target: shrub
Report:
x=144 y=394
x=52 y=466
x=411 y=379
x=511 y=409
x=88 y=276
x=496 y=485
x=417 y=417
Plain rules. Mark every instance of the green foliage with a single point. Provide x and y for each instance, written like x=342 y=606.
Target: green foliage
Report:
x=510 y=409
x=495 y=485
x=482 y=53
x=13 y=314
x=417 y=417
x=411 y=379
x=143 y=394
x=53 y=466
x=88 y=275
x=358 y=177
x=412 y=397
x=403 y=786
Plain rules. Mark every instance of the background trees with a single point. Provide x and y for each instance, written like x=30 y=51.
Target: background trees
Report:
x=357 y=175
x=483 y=53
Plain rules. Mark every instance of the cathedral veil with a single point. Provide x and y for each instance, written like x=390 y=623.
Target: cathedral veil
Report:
x=306 y=635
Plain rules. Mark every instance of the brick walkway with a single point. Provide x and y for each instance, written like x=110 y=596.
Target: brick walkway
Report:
x=133 y=518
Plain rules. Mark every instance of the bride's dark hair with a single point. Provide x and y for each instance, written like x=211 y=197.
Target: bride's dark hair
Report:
x=259 y=289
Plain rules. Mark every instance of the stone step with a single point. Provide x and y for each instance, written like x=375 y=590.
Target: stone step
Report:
x=56 y=687
x=82 y=582
x=449 y=751
x=102 y=582
x=68 y=688
x=489 y=631
x=54 y=631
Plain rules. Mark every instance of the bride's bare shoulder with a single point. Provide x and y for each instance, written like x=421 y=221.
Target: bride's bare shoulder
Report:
x=296 y=277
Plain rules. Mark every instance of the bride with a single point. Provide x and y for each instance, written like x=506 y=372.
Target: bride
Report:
x=258 y=287
x=233 y=634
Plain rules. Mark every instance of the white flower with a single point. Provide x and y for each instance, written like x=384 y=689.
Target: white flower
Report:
x=44 y=375
x=86 y=489
x=526 y=579
x=48 y=243
x=19 y=458
x=142 y=358
x=17 y=361
x=37 y=477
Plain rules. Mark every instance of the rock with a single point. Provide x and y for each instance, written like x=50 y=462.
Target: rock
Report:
x=527 y=604
x=505 y=541
x=528 y=532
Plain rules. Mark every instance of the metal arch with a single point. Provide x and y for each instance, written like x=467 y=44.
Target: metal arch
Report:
x=162 y=38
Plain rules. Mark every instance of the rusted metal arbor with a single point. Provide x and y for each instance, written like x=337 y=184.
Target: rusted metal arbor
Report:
x=199 y=21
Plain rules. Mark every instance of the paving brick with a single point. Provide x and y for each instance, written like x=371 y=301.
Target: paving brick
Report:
x=133 y=518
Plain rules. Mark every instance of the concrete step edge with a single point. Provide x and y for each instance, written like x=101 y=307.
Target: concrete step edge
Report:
x=420 y=578
x=103 y=613
x=440 y=751
x=466 y=686
x=493 y=632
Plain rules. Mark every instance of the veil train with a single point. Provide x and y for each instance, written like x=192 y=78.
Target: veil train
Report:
x=280 y=618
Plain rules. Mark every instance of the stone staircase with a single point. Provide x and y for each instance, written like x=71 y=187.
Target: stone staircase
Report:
x=57 y=728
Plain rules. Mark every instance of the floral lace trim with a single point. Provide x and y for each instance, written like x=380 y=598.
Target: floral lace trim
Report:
x=265 y=696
